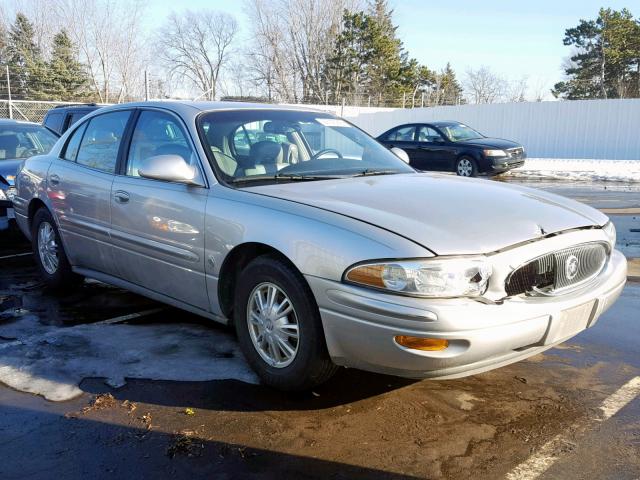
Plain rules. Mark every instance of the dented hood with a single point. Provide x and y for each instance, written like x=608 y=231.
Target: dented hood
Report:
x=446 y=214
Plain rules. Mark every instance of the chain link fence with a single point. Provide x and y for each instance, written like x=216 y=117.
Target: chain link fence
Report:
x=27 y=110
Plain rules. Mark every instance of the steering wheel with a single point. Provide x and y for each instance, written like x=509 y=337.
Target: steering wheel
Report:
x=326 y=150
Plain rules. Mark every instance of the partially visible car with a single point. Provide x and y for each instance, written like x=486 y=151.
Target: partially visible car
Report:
x=454 y=147
x=18 y=140
x=60 y=118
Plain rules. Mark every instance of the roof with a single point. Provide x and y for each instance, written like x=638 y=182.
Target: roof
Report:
x=208 y=105
x=445 y=123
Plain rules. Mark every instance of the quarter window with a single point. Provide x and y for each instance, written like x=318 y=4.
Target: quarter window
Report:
x=101 y=141
x=71 y=150
x=157 y=133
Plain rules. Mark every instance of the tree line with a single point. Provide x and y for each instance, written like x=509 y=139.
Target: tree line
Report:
x=295 y=51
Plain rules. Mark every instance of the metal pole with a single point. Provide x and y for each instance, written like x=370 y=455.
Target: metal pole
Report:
x=9 y=93
x=342 y=109
x=369 y=101
x=146 y=87
x=422 y=100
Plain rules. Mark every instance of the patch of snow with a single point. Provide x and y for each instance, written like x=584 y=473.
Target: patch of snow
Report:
x=580 y=169
x=53 y=363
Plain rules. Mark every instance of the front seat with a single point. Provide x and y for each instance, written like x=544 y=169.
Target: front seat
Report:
x=268 y=154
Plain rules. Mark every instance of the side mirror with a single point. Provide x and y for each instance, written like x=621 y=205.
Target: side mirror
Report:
x=171 y=168
x=401 y=154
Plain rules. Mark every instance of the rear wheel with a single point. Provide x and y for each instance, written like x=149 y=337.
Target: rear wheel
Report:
x=466 y=167
x=279 y=327
x=49 y=254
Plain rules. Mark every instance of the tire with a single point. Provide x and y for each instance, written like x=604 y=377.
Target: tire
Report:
x=466 y=167
x=310 y=364
x=57 y=275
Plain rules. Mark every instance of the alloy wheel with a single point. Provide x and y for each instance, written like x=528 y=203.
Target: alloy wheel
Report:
x=48 y=248
x=273 y=325
x=465 y=167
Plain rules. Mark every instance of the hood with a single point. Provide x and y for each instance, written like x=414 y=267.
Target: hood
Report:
x=490 y=143
x=9 y=168
x=446 y=214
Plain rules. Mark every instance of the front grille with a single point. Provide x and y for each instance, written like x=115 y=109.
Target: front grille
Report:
x=559 y=271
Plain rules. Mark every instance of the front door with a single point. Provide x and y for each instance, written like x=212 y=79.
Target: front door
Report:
x=432 y=151
x=158 y=226
x=79 y=187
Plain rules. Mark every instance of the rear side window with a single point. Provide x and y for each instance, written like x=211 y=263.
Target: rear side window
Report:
x=54 y=121
x=74 y=117
x=71 y=151
x=402 y=134
x=101 y=141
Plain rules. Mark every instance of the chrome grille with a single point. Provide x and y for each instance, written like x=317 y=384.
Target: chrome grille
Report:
x=559 y=271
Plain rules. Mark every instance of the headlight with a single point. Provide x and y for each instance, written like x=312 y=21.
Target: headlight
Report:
x=495 y=153
x=610 y=231
x=11 y=193
x=453 y=277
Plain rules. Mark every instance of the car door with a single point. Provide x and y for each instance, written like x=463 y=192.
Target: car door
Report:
x=157 y=227
x=403 y=137
x=79 y=188
x=432 y=151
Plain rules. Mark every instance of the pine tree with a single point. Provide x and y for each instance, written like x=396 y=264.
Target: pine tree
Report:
x=67 y=77
x=607 y=62
x=27 y=68
x=451 y=90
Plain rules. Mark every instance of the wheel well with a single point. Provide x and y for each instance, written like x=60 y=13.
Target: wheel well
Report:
x=233 y=265
x=35 y=205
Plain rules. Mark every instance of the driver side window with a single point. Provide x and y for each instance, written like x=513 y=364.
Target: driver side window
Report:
x=157 y=133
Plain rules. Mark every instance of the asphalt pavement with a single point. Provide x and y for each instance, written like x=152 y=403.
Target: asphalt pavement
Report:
x=572 y=412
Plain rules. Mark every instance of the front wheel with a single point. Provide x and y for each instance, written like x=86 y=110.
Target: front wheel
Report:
x=466 y=167
x=49 y=253
x=279 y=327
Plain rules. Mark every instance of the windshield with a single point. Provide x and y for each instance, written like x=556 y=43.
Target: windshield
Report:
x=460 y=132
x=279 y=145
x=24 y=141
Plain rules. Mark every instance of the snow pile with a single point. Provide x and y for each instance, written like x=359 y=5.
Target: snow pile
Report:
x=54 y=362
x=580 y=169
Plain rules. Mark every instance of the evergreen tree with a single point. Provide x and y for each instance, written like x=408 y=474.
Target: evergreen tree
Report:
x=27 y=68
x=449 y=88
x=67 y=77
x=607 y=61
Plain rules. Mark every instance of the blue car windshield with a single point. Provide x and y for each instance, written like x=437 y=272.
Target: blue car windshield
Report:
x=270 y=145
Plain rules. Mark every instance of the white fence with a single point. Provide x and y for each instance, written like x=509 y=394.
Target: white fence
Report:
x=594 y=129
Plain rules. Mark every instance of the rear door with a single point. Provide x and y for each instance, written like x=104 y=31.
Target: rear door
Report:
x=79 y=187
x=403 y=137
x=158 y=226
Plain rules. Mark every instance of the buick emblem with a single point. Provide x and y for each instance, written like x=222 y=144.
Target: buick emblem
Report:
x=571 y=266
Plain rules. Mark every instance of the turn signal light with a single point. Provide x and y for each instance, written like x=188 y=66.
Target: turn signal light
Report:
x=425 y=344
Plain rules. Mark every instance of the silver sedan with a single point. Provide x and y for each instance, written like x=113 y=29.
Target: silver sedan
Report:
x=319 y=245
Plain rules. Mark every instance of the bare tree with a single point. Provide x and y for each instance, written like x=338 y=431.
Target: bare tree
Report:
x=292 y=40
x=484 y=86
x=109 y=37
x=517 y=90
x=197 y=46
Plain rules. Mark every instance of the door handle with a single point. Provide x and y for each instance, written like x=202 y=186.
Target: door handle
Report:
x=54 y=179
x=121 y=196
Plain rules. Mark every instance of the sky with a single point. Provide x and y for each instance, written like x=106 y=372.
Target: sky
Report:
x=514 y=38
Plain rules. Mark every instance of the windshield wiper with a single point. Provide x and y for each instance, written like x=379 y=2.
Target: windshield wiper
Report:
x=294 y=177
x=373 y=171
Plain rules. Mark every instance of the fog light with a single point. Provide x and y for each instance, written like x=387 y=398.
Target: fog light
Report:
x=418 y=343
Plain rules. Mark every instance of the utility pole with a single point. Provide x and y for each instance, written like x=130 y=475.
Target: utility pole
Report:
x=9 y=93
x=146 y=86
x=422 y=100
x=404 y=99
